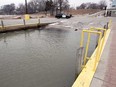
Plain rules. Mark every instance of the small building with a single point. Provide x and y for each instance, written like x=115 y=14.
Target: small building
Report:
x=111 y=8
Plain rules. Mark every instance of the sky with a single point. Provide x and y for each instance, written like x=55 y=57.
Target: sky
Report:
x=79 y=2
x=73 y=3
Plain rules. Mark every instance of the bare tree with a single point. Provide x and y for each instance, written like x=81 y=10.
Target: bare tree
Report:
x=47 y=6
x=102 y=4
x=61 y=5
x=35 y=6
x=93 y=6
x=20 y=9
x=83 y=6
x=8 y=9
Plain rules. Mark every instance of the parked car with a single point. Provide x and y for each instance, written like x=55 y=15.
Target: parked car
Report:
x=63 y=16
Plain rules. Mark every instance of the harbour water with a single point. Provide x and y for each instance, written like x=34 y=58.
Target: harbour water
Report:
x=39 y=58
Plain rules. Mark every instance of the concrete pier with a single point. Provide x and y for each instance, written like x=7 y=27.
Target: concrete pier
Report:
x=21 y=24
x=105 y=75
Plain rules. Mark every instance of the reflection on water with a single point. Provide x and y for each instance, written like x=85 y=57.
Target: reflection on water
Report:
x=39 y=58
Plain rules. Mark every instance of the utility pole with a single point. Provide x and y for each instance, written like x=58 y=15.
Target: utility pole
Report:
x=60 y=6
x=26 y=9
x=27 y=17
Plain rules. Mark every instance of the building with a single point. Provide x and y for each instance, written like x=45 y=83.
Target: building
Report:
x=111 y=8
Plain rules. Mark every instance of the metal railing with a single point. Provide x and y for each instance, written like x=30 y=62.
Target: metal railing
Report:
x=89 y=68
x=101 y=34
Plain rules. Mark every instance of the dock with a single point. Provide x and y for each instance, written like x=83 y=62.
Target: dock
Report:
x=22 y=24
x=104 y=74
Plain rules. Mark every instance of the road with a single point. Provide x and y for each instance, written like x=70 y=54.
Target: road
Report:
x=74 y=22
x=80 y=22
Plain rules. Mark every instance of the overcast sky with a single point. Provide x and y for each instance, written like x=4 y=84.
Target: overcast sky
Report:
x=72 y=2
x=78 y=2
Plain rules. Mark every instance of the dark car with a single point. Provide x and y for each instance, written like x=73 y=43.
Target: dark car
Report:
x=63 y=16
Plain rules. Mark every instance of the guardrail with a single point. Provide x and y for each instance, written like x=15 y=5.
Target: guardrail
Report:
x=89 y=67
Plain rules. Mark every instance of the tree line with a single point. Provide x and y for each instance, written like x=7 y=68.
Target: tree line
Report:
x=101 y=5
x=35 y=6
x=48 y=6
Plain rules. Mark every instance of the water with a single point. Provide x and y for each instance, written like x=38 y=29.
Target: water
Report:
x=39 y=58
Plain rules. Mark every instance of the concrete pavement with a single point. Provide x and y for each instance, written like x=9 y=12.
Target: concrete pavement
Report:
x=21 y=24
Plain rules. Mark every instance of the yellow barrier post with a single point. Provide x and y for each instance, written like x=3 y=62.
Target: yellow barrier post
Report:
x=27 y=16
x=87 y=47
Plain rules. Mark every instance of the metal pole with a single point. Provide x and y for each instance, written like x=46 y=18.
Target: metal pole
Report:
x=26 y=9
x=39 y=21
x=2 y=23
x=81 y=45
x=60 y=6
x=24 y=22
x=87 y=47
